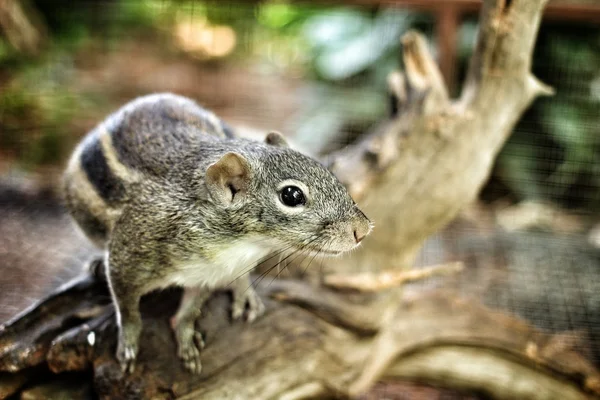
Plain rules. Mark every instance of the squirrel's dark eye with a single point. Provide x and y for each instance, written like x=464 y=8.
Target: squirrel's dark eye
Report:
x=292 y=196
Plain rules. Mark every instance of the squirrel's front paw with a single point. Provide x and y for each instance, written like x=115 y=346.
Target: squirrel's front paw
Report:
x=189 y=345
x=126 y=354
x=243 y=295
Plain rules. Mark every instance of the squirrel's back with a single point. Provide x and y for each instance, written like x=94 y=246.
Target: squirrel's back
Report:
x=146 y=137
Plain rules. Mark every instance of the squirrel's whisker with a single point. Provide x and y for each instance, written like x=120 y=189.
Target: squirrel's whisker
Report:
x=310 y=262
x=260 y=261
x=264 y=274
x=278 y=273
x=259 y=279
x=300 y=251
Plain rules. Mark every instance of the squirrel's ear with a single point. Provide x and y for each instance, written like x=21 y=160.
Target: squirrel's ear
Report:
x=227 y=180
x=276 y=139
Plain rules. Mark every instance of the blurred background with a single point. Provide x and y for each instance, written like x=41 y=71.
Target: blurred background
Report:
x=317 y=72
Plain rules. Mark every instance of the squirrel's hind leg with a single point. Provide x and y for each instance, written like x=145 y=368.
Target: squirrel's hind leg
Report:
x=189 y=341
x=126 y=289
x=129 y=322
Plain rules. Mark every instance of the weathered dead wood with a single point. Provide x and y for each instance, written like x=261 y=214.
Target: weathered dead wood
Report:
x=415 y=172
x=371 y=282
x=311 y=343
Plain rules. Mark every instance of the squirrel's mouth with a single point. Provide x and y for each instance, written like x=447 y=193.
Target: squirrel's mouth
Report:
x=312 y=249
x=330 y=252
x=323 y=252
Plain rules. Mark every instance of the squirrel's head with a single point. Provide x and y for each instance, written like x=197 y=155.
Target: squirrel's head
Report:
x=288 y=197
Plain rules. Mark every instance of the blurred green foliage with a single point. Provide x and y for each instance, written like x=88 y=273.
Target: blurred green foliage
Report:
x=32 y=126
x=346 y=52
x=554 y=152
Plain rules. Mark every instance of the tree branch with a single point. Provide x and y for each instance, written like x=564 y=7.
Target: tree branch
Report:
x=311 y=341
x=431 y=159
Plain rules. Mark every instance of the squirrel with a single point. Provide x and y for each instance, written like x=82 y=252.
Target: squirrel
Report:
x=174 y=198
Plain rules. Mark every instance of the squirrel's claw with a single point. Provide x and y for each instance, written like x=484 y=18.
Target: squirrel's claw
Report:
x=199 y=340
x=189 y=345
x=127 y=347
x=241 y=297
x=190 y=355
x=126 y=354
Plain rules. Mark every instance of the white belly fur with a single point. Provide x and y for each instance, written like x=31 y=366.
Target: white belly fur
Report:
x=238 y=260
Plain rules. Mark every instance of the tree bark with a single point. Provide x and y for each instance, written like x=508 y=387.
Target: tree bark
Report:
x=415 y=172
x=311 y=343
x=412 y=175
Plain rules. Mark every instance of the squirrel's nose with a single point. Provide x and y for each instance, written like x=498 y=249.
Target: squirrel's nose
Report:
x=358 y=236
x=361 y=229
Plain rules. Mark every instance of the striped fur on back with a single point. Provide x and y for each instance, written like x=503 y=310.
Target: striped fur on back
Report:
x=117 y=153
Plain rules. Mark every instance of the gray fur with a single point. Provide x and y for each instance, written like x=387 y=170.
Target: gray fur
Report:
x=157 y=217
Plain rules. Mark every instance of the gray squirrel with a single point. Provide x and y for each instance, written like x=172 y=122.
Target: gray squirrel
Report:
x=174 y=198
